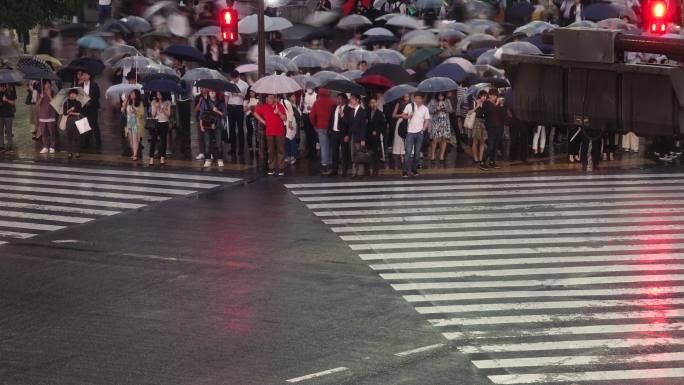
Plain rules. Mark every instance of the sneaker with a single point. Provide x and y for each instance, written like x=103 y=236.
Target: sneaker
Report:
x=404 y=175
x=293 y=161
x=484 y=167
x=282 y=173
x=207 y=163
x=270 y=173
x=52 y=150
x=220 y=162
x=44 y=150
x=415 y=173
x=200 y=157
x=494 y=165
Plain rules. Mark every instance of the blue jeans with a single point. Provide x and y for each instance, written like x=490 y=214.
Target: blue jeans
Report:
x=104 y=13
x=292 y=147
x=413 y=144
x=493 y=139
x=213 y=144
x=324 y=140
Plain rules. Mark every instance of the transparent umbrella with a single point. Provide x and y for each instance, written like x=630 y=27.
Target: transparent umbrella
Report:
x=488 y=57
x=291 y=52
x=113 y=93
x=464 y=63
x=328 y=59
x=279 y=24
x=583 y=24
x=484 y=26
x=275 y=63
x=389 y=56
x=200 y=73
x=211 y=30
x=276 y=84
x=249 y=25
x=437 y=84
x=405 y=22
x=137 y=24
x=517 y=47
x=419 y=38
x=378 y=31
x=345 y=48
x=247 y=68
x=325 y=76
x=307 y=60
x=535 y=28
x=447 y=25
x=353 y=22
x=58 y=100
x=351 y=59
x=134 y=62
x=307 y=81
x=160 y=7
x=464 y=45
x=116 y=52
x=352 y=75
x=321 y=18
x=397 y=92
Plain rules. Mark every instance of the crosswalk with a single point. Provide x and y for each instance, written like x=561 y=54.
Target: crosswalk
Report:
x=40 y=198
x=575 y=279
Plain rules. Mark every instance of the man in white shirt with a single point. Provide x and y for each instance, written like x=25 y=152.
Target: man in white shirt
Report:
x=235 y=104
x=418 y=117
x=307 y=103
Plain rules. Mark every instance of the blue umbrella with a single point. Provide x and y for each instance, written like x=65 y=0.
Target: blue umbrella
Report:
x=536 y=40
x=184 y=52
x=162 y=85
x=437 y=84
x=602 y=11
x=10 y=76
x=92 y=42
x=379 y=40
x=476 y=52
x=452 y=71
x=397 y=92
x=488 y=57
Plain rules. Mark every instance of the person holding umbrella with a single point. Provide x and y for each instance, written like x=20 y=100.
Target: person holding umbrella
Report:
x=161 y=112
x=91 y=109
x=47 y=116
x=236 y=114
x=8 y=100
x=135 y=121
x=273 y=116
x=212 y=113
x=339 y=135
x=72 y=109
x=494 y=116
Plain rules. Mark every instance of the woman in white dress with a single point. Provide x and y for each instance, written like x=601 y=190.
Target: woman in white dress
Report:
x=398 y=142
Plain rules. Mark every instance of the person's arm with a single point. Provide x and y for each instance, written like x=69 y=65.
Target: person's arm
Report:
x=396 y=114
x=282 y=114
x=155 y=109
x=406 y=115
x=426 y=123
x=259 y=117
x=364 y=126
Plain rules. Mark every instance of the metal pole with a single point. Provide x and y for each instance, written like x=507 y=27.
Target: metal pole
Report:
x=261 y=63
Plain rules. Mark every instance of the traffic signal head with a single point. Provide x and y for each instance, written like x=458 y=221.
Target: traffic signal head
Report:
x=228 y=20
x=658 y=17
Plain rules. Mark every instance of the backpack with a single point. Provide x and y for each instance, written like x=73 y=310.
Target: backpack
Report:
x=403 y=126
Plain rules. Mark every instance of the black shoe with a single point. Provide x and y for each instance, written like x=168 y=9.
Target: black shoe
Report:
x=483 y=167
x=493 y=165
x=415 y=173
x=332 y=173
x=404 y=175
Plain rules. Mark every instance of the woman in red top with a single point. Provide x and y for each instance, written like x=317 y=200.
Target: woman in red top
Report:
x=273 y=115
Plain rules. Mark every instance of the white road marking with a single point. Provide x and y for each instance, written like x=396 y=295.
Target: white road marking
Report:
x=99 y=186
x=576 y=281
x=30 y=226
x=614 y=292
x=318 y=374
x=45 y=217
x=91 y=194
x=66 y=209
x=609 y=375
x=576 y=360
x=418 y=350
x=616 y=343
x=528 y=261
x=526 y=221
x=490 y=307
x=65 y=241
x=14 y=234
x=127 y=173
x=75 y=201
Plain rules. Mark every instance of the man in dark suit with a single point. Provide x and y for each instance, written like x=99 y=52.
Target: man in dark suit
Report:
x=339 y=135
x=377 y=128
x=91 y=108
x=358 y=130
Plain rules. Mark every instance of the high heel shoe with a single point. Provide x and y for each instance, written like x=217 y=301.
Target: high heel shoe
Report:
x=151 y=162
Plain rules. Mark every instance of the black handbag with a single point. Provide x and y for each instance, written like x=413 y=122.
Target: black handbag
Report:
x=363 y=156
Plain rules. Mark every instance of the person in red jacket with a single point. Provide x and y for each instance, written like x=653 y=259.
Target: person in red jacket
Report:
x=272 y=115
x=320 y=117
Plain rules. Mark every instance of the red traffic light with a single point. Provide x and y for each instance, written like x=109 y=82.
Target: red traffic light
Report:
x=228 y=20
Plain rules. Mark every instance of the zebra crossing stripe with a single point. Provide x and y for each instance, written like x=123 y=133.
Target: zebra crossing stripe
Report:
x=30 y=226
x=637 y=341
x=14 y=234
x=74 y=201
x=66 y=209
x=83 y=185
x=576 y=360
x=45 y=217
x=99 y=194
x=609 y=375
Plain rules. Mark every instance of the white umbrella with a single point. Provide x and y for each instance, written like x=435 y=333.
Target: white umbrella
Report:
x=276 y=84
x=291 y=52
x=250 y=24
x=211 y=30
x=389 y=56
x=159 y=6
x=405 y=21
x=345 y=48
x=437 y=84
x=387 y=16
x=247 y=68
x=178 y=25
x=58 y=101
x=321 y=18
x=307 y=81
x=328 y=59
x=419 y=38
x=114 y=93
x=464 y=63
x=253 y=53
x=278 y=24
x=353 y=22
x=378 y=31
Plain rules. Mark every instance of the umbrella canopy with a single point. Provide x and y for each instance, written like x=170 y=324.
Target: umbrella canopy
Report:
x=397 y=92
x=151 y=37
x=345 y=86
x=297 y=32
x=351 y=59
x=487 y=71
x=328 y=59
x=535 y=28
x=162 y=85
x=489 y=57
x=307 y=81
x=166 y=7
x=200 y=73
x=452 y=71
x=420 y=56
x=35 y=74
x=386 y=17
x=137 y=24
x=352 y=75
x=279 y=24
x=447 y=25
x=10 y=76
x=464 y=45
x=389 y=56
x=378 y=31
x=345 y=48
x=276 y=84
x=307 y=60
x=484 y=26
x=280 y=64
x=115 y=26
x=404 y=21
x=321 y=18
x=92 y=42
x=464 y=63
x=379 y=40
x=517 y=47
x=583 y=24
x=184 y=52
x=57 y=101
x=419 y=38
x=326 y=76
x=250 y=24
x=32 y=64
x=92 y=66
x=602 y=11
x=53 y=62
x=494 y=82
x=291 y=52
x=114 y=93
x=396 y=73
x=377 y=81
x=536 y=40
x=134 y=62
x=353 y=22
x=211 y=30
x=247 y=68
x=116 y=52
x=218 y=85
x=154 y=68
x=157 y=76
x=437 y=84
x=614 y=23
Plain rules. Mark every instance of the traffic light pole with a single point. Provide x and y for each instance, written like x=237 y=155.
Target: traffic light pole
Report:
x=261 y=63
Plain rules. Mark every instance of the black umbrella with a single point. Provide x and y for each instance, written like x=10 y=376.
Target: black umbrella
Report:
x=10 y=76
x=68 y=73
x=218 y=85
x=92 y=66
x=184 y=52
x=115 y=26
x=379 y=40
x=160 y=76
x=393 y=72
x=73 y=29
x=162 y=85
x=345 y=86
x=318 y=34
x=36 y=74
x=520 y=12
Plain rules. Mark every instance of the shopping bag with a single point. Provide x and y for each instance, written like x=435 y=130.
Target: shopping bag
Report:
x=83 y=126
x=63 y=122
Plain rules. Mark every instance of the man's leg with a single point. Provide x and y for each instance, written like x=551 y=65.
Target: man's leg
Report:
x=9 y=134
x=408 y=151
x=240 y=123
x=416 y=158
x=335 y=140
x=271 y=142
x=346 y=156
x=2 y=132
x=280 y=141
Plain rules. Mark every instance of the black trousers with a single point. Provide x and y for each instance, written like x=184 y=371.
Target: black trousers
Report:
x=236 y=117
x=593 y=137
x=609 y=144
x=92 y=115
x=520 y=138
x=311 y=137
x=251 y=123
x=574 y=140
x=337 y=145
x=158 y=135
x=494 y=137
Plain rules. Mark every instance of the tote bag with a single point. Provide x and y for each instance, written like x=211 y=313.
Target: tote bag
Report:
x=83 y=126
